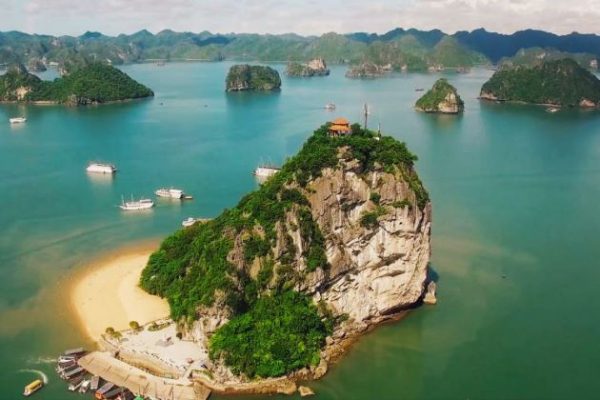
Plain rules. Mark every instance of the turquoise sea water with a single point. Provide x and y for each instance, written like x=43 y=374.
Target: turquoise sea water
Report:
x=515 y=197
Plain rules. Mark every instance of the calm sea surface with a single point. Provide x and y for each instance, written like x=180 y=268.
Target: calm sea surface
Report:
x=515 y=236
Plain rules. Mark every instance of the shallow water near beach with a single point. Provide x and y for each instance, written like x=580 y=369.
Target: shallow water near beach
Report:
x=515 y=197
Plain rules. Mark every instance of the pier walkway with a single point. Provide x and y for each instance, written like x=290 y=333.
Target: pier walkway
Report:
x=139 y=381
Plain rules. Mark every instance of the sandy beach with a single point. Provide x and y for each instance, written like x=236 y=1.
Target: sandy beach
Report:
x=106 y=293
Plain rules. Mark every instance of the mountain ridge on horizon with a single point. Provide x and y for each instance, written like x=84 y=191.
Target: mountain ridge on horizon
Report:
x=416 y=48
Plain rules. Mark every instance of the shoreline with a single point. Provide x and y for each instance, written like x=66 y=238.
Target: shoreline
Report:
x=64 y=104
x=521 y=102
x=105 y=293
x=121 y=301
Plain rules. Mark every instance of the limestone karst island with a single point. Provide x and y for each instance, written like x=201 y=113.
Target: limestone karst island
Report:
x=95 y=83
x=442 y=98
x=332 y=200
x=273 y=290
x=252 y=78
x=555 y=83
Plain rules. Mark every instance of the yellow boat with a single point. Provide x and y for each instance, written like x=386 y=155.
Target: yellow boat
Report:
x=33 y=387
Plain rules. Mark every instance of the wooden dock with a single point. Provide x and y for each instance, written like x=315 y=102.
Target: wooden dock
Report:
x=139 y=381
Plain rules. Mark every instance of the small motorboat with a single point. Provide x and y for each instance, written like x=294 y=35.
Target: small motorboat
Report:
x=33 y=387
x=18 y=120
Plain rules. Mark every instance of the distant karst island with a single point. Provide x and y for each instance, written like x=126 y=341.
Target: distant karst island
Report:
x=315 y=67
x=246 y=77
x=555 y=83
x=368 y=70
x=95 y=83
x=442 y=98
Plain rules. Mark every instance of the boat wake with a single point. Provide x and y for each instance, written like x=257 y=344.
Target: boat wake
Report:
x=42 y=360
x=42 y=375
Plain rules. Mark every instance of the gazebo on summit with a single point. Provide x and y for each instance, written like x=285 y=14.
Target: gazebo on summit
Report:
x=339 y=127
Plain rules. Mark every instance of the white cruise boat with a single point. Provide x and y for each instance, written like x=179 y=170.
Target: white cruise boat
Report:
x=170 y=193
x=133 y=205
x=99 y=168
x=330 y=106
x=189 y=222
x=18 y=120
x=266 y=171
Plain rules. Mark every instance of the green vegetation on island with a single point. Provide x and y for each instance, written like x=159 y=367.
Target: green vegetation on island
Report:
x=403 y=49
x=538 y=55
x=367 y=70
x=245 y=263
x=92 y=84
x=315 y=67
x=280 y=333
x=253 y=78
x=441 y=98
x=561 y=83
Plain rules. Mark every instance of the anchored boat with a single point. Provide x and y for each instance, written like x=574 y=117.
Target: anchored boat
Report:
x=94 y=383
x=33 y=387
x=100 y=168
x=266 y=171
x=189 y=222
x=133 y=205
x=85 y=385
x=170 y=193
x=330 y=106
x=18 y=120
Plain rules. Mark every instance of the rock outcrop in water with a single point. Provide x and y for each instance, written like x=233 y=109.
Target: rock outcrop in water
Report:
x=368 y=70
x=442 y=98
x=315 y=67
x=335 y=243
x=252 y=78
x=557 y=83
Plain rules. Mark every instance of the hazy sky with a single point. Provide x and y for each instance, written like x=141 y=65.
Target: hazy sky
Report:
x=305 y=17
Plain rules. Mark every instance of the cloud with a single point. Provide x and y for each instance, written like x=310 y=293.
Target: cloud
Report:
x=304 y=17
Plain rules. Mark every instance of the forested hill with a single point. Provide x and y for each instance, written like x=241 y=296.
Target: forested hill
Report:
x=413 y=48
x=93 y=84
x=561 y=83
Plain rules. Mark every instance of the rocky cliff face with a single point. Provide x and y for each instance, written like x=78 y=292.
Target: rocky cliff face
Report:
x=252 y=77
x=17 y=83
x=315 y=67
x=442 y=99
x=376 y=270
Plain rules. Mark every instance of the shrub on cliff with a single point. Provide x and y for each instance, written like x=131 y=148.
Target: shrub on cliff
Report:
x=279 y=334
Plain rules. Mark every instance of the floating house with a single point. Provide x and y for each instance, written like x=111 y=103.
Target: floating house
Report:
x=339 y=127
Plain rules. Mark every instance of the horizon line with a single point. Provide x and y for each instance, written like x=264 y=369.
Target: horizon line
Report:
x=304 y=35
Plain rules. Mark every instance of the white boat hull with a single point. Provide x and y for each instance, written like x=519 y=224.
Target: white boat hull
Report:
x=143 y=204
x=19 y=120
x=265 y=172
x=101 y=168
x=170 y=193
